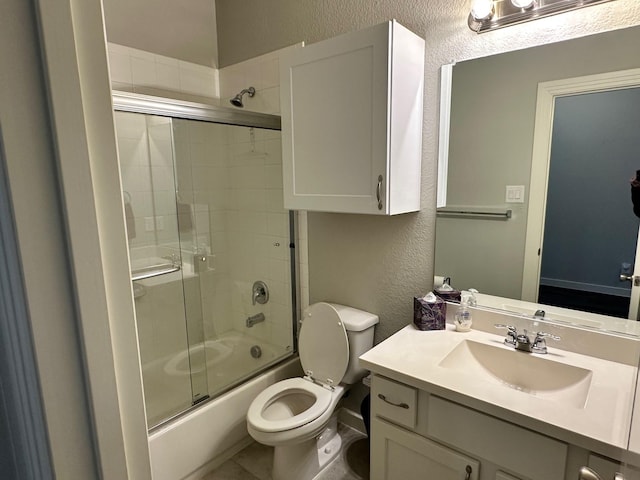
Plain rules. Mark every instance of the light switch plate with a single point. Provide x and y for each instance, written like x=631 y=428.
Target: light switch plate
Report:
x=515 y=194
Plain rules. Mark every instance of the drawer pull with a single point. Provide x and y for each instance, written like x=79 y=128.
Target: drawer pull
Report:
x=468 y=469
x=401 y=405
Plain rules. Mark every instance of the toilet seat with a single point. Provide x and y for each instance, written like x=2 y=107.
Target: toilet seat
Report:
x=322 y=399
x=324 y=354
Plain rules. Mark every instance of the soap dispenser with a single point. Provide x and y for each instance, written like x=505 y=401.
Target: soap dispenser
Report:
x=462 y=318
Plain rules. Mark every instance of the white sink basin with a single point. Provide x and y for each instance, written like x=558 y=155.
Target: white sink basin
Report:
x=521 y=371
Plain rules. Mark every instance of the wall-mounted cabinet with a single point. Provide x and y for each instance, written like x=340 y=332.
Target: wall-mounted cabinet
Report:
x=352 y=122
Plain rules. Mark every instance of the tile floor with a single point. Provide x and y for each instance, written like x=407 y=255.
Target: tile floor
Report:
x=255 y=461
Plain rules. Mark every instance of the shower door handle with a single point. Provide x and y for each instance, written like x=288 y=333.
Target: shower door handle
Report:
x=154 y=271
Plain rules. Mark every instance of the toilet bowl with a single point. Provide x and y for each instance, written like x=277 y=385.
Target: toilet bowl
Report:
x=297 y=416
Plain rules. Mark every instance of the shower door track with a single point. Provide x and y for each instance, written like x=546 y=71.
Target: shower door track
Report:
x=167 y=107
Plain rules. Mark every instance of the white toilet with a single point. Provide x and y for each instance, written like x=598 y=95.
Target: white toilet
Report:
x=296 y=416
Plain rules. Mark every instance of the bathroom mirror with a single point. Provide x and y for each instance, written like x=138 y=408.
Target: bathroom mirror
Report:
x=490 y=150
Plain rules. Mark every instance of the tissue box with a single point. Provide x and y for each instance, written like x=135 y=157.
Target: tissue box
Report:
x=448 y=294
x=429 y=315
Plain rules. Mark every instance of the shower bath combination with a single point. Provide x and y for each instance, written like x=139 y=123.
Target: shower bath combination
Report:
x=237 y=100
x=197 y=342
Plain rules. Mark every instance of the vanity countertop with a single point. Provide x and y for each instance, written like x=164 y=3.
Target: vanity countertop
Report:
x=415 y=358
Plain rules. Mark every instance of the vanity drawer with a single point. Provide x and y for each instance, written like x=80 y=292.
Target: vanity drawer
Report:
x=520 y=450
x=394 y=401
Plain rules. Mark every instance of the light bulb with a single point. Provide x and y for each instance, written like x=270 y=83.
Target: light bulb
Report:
x=482 y=9
x=522 y=3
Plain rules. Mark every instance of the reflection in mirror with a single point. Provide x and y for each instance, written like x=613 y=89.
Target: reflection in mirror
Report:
x=593 y=154
x=491 y=157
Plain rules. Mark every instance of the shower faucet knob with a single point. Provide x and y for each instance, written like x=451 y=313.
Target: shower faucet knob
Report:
x=260 y=293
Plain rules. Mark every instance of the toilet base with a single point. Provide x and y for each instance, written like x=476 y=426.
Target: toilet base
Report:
x=303 y=461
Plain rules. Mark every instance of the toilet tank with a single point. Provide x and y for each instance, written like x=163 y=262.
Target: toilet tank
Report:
x=360 y=326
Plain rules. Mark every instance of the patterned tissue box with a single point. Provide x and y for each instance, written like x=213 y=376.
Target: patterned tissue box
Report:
x=429 y=313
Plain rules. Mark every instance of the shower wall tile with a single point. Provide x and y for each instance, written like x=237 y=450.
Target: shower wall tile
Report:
x=278 y=270
x=273 y=148
x=168 y=76
x=143 y=71
x=270 y=73
x=134 y=70
x=120 y=64
x=274 y=199
x=262 y=73
x=253 y=199
x=277 y=224
x=273 y=176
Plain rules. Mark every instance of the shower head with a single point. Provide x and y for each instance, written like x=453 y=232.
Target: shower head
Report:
x=237 y=100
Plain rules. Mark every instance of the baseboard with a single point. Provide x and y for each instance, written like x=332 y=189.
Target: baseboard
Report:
x=352 y=419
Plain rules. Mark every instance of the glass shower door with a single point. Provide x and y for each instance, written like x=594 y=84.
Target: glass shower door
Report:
x=211 y=253
x=166 y=311
x=231 y=177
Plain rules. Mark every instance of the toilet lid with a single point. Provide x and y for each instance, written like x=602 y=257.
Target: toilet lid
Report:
x=323 y=344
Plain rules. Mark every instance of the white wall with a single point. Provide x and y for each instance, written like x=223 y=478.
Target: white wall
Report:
x=181 y=30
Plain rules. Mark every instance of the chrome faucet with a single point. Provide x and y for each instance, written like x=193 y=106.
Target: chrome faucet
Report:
x=260 y=293
x=522 y=341
x=253 y=319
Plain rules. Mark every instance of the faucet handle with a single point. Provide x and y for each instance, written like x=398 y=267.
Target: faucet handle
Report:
x=543 y=335
x=540 y=344
x=512 y=333
x=511 y=328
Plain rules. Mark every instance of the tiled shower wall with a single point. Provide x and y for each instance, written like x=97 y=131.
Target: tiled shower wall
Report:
x=263 y=73
x=134 y=70
x=233 y=177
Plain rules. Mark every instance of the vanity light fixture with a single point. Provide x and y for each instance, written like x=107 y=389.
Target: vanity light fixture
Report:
x=482 y=10
x=491 y=14
x=523 y=3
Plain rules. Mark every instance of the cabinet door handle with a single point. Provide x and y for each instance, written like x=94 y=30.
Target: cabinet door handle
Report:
x=586 y=473
x=379 y=192
x=468 y=469
x=401 y=405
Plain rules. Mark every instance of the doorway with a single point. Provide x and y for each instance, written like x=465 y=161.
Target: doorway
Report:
x=581 y=232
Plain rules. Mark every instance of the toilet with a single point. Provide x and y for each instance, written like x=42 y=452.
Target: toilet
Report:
x=297 y=416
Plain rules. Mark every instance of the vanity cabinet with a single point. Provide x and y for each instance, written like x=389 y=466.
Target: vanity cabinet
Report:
x=352 y=122
x=400 y=454
x=418 y=435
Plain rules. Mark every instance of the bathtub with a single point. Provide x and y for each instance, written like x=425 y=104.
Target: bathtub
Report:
x=194 y=444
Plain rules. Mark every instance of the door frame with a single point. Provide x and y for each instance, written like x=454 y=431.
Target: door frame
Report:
x=541 y=157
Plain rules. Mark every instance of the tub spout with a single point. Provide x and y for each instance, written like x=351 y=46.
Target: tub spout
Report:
x=253 y=319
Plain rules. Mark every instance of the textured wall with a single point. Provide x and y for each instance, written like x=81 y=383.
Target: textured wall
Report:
x=380 y=263
x=185 y=30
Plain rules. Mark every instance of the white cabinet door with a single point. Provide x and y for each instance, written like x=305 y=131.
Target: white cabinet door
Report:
x=351 y=107
x=399 y=454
